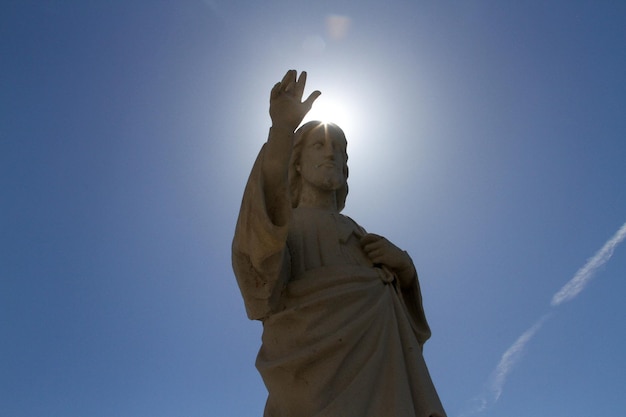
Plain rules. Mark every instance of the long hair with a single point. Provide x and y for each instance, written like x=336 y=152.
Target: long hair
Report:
x=295 y=180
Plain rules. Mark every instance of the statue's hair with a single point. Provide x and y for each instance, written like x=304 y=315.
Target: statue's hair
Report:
x=295 y=180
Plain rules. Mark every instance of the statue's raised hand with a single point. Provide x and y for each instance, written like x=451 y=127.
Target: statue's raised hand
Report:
x=286 y=106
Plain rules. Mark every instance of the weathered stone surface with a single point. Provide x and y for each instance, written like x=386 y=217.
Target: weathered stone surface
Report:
x=343 y=323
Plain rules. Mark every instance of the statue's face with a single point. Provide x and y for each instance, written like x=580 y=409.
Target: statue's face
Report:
x=323 y=159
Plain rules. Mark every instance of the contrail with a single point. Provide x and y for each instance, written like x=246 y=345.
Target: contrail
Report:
x=498 y=377
x=586 y=273
x=514 y=353
x=510 y=358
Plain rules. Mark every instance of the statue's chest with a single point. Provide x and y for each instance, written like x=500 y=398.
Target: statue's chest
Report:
x=318 y=238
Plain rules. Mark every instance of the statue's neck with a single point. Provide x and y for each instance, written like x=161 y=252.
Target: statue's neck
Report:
x=314 y=197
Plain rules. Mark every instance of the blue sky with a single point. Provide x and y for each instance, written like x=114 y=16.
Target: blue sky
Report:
x=485 y=138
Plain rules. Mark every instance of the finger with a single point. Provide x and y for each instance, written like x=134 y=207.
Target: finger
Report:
x=290 y=87
x=378 y=259
x=312 y=97
x=370 y=238
x=372 y=246
x=299 y=90
x=289 y=76
x=275 y=90
x=376 y=254
x=288 y=80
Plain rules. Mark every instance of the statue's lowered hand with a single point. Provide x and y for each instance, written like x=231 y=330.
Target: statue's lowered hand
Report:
x=381 y=251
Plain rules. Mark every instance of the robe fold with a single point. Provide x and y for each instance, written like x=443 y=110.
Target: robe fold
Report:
x=341 y=338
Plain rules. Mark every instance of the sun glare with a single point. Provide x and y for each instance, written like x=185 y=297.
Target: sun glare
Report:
x=328 y=110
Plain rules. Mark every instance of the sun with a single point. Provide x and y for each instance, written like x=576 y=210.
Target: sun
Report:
x=344 y=107
x=330 y=110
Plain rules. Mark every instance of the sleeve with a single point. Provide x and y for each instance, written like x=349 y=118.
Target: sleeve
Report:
x=412 y=297
x=259 y=250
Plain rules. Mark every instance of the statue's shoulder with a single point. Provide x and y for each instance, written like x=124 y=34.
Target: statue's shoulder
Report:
x=348 y=221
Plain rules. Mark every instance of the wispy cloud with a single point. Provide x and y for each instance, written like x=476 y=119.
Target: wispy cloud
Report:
x=514 y=353
x=510 y=358
x=587 y=272
x=498 y=377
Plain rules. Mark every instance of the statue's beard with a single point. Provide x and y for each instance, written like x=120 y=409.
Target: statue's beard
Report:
x=335 y=183
x=330 y=181
x=324 y=177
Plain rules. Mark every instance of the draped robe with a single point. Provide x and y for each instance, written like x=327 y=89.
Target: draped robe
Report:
x=341 y=338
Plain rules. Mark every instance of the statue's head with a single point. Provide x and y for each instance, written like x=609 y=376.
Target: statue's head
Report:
x=336 y=174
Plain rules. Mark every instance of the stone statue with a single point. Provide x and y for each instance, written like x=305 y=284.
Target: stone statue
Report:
x=343 y=323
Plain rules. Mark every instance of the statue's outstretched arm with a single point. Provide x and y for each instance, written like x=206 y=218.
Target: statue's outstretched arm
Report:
x=286 y=111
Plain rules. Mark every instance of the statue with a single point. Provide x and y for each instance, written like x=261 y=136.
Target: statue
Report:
x=343 y=323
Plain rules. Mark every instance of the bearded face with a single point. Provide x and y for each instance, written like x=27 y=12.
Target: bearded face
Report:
x=323 y=159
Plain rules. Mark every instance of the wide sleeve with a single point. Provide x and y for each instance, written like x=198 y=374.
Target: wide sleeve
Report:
x=412 y=297
x=259 y=254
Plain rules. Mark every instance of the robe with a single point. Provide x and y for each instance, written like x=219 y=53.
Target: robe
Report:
x=341 y=338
